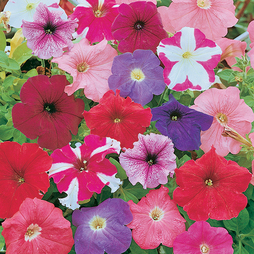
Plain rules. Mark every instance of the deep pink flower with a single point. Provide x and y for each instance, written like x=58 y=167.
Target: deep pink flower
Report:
x=38 y=227
x=202 y=238
x=212 y=17
x=138 y=26
x=90 y=67
x=81 y=171
x=229 y=110
x=47 y=111
x=156 y=220
x=48 y=34
x=211 y=187
x=96 y=17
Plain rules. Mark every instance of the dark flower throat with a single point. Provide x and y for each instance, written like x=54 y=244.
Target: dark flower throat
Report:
x=139 y=25
x=49 y=28
x=50 y=108
x=175 y=115
x=151 y=159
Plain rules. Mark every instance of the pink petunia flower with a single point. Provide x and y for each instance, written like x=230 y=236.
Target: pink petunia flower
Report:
x=189 y=60
x=150 y=161
x=90 y=67
x=250 y=29
x=97 y=17
x=48 y=34
x=156 y=220
x=81 y=171
x=202 y=238
x=38 y=227
x=131 y=1
x=229 y=110
x=212 y=17
x=138 y=26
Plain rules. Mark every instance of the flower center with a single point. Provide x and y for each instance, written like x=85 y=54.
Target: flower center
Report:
x=208 y=182
x=137 y=75
x=32 y=232
x=156 y=214
x=222 y=119
x=204 y=4
x=98 y=13
x=30 y=6
x=50 y=108
x=83 y=166
x=21 y=180
x=49 y=28
x=97 y=223
x=139 y=25
x=175 y=116
x=82 y=67
x=151 y=159
x=204 y=248
x=186 y=55
x=117 y=120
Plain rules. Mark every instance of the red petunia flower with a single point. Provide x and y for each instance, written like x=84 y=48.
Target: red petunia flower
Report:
x=47 y=111
x=118 y=118
x=211 y=187
x=22 y=174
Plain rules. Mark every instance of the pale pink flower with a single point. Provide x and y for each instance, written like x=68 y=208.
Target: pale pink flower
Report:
x=212 y=17
x=90 y=67
x=165 y=18
x=251 y=35
x=229 y=110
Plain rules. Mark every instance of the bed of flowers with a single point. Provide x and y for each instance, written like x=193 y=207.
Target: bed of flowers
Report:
x=127 y=127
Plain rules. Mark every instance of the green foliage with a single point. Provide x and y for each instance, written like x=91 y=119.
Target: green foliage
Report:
x=2 y=241
x=2 y=41
x=135 y=249
x=22 y=53
x=120 y=171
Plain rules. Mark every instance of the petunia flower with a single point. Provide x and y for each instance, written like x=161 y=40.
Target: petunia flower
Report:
x=38 y=227
x=102 y=229
x=211 y=187
x=250 y=29
x=229 y=110
x=49 y=33
x=150 y=161
x=81 y=171
x=156 y=220
x=89 y=66
x=180 y=123
x=130 y=1
x=22 y=174
x=118 y=118
x=212 y=17
x=97 y=16
x=138 y=75
x=202 y=238
x=138 y=26
x=189 y=60
x=67 y=6
x=47 y=112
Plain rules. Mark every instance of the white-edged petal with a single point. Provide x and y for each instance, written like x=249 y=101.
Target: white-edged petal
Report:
x=77 y=152
x=204 y=54
x=114 y=182
x=188 y=41
x=59 y=167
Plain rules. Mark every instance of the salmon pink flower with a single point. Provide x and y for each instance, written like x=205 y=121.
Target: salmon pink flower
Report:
x=38 y=227
x=47 y=111
x=89 y=66
x=118 y=118
x=212 y=17
x=189 y=60
x=81 y=171
x=156 y=220
x=22 y=175
x=48 y=34
x=202 y=238
x=211 y=187
x=138 y=26
x=150 y=161
x=97 y=17
x=229 y=110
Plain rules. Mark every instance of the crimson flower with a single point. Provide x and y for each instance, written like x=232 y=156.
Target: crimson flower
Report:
x=118 y=118
x=47 y=112
x=22 y=175
x=211 y=187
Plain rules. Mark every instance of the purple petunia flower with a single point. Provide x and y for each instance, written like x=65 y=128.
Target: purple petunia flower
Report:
x=137 y=75
x=150 y=161
x=48 y=34
x=102 y=228
x=181 y=124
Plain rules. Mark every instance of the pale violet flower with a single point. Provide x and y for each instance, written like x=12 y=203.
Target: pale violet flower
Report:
x=189 y=60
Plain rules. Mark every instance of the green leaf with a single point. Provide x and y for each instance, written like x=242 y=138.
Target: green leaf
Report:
x=249 y=191
x=165 y=250
x=6 y=132
x=185 y=99
x=241 y=250
x=8 y=81
x=227 y=74
x=120 y=171
x=135 y=249
x=180 y=162
x=186 y=217
x=239 y=223
x=2 y=40
x=22 y=53
x=126 y=196
x=2 y=241
x=136 y=190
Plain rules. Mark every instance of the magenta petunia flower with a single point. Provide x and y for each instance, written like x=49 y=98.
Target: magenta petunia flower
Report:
x=48 y=34
x=156 y=220
x=97 y=17
x=189 y=60
x=229 y=110
x=47 y=112
x=102 y=229
x=38 y=227
x=138 y=26
x=202 y=238
x=89 y=66
x=81 y=171
x=150 y=161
